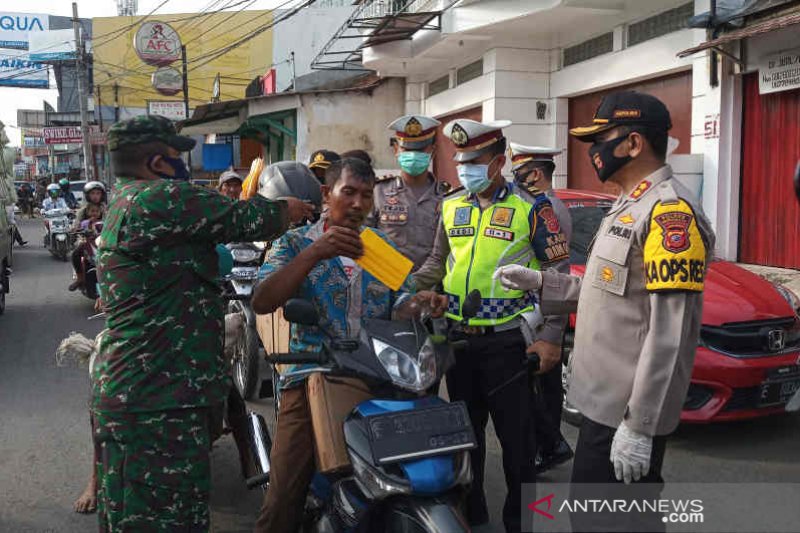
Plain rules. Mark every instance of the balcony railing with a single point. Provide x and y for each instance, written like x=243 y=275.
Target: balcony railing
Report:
x=384 y=8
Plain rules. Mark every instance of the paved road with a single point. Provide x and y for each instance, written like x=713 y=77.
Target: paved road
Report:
x=44 y=430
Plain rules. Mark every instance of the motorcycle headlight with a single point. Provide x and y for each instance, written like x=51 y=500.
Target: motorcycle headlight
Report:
x=373 y=482
x=412 y=374
x=790 y=297
x=244 y=255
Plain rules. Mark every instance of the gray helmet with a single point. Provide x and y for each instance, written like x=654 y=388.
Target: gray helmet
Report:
x=290 y=179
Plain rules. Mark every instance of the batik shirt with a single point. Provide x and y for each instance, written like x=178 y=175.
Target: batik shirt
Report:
x=341 y=300
x=158 y=271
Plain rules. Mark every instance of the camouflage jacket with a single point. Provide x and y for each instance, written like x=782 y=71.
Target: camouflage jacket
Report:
x=158 y=272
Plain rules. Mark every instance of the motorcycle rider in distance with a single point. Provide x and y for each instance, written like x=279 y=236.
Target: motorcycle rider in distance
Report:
x=69 y=197
x=54 y=199
x=94 y=194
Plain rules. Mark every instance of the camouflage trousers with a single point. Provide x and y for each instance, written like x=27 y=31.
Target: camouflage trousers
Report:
x=153 y=470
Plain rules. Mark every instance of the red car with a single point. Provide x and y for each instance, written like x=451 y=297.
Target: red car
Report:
x=748 y=356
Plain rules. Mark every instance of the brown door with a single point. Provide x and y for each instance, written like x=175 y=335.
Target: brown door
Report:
x=770 y=152
x=443 y=165
x=674 y=90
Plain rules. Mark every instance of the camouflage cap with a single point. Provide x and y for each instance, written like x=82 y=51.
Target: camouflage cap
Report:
x=145 y=129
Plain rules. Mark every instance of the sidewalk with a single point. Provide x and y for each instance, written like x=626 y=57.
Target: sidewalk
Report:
x=788 y=277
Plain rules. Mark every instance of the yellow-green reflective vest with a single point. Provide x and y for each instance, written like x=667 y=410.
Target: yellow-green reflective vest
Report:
x=481 y=240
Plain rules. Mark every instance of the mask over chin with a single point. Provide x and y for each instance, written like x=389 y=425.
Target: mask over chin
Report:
x=177 y=164
x=605 y=163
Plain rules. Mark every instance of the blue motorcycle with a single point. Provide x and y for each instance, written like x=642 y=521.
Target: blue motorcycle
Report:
x=408 y=448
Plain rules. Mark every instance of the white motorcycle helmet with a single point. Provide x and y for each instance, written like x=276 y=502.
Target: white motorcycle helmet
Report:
x=92 y=185
x=53 y=188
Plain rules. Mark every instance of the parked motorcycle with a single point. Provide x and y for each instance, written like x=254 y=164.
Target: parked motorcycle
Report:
x=409 y=450
x=247 y=258
x=57 y=239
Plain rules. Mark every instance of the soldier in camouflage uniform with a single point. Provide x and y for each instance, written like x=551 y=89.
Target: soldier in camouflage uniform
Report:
x=161 y=365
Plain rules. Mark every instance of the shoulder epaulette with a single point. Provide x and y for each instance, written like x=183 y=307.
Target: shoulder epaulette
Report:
x=451 y=192
x=384 y=178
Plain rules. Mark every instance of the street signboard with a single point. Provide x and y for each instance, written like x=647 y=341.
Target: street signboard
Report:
x=70 y=135
x=157 y=43
x=779 y=72
x=15 y=28
x=174 y=110
x=52 y=45
x=167 y=81
x=17 y=70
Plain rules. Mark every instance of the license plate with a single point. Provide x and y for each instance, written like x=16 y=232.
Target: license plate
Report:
x=778 y=392
x=418 y=433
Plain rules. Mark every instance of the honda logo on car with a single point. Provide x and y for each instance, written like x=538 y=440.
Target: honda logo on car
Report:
x=776 y=340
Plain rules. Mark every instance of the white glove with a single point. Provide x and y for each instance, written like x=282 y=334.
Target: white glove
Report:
x=630 y=454
x=519 y=278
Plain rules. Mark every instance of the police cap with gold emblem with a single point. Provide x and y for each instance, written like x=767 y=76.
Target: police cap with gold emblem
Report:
x=472 y=139
x=323 y=159
x=415 y=132
x=521 y=154
x=625 y=108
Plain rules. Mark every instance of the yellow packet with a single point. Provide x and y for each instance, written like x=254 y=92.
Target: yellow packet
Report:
x=250 y=184
x=388 y=265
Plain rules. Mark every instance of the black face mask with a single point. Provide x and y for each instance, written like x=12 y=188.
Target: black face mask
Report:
x=177 y=164
x=605 y=163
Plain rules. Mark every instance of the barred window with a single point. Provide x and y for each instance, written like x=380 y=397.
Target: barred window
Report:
x=439 y=85
x=589 y=49
x=661 y=24
x=469 y=72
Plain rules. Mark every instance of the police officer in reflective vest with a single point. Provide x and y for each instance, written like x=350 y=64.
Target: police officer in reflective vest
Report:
x=407 y=206
x=533 y=167
x=486 y=224
x=639 y=307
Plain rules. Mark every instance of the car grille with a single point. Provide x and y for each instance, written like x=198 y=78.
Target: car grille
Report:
x=753 y=339
x=743 y=398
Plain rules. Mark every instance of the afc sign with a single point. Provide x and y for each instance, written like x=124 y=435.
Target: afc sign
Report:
x=157 y=43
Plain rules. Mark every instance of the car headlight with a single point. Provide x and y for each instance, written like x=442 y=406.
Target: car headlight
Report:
x=373 y=482
x=790 y=297
x=244 y=255
x=413 y=374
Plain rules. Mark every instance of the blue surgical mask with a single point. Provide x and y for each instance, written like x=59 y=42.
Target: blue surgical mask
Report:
x=177 y=164
x=474 y=177
x=414 y=163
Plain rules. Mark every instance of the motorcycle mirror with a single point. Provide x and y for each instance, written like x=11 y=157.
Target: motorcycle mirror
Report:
x=797 y=181
x=472 y=304
x=302 y=312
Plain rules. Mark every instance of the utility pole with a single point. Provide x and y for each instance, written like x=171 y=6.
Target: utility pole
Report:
x=88 y=163
x=99 y=108
x=186 y=94
x=116 y=102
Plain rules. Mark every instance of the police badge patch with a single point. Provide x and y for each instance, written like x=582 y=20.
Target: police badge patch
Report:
x=501 y=216
x=675 y=230
x=462 y=216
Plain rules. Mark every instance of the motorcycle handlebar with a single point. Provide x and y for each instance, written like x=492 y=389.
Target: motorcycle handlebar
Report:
x=301 y=358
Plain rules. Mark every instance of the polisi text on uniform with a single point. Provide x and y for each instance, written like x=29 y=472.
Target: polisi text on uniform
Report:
x=670 y=270
x=619 y=231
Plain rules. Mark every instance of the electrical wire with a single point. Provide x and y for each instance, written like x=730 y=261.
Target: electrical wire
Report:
x=118 y=31
x=211 y=56
x=221 y=23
